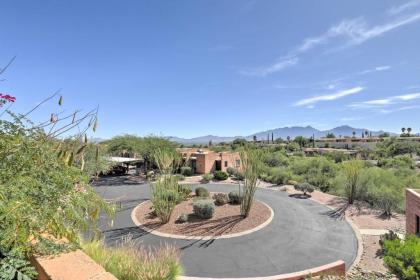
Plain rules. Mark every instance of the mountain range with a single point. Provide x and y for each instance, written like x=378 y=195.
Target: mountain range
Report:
x=283 y=132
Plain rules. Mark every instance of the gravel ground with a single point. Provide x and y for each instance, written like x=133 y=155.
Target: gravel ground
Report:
x=226 y=219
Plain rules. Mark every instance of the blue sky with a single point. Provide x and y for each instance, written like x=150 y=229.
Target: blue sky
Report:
x=191 y=68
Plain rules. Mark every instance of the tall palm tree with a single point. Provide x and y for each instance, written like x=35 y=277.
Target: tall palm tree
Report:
x=408 y=130
x=354 y=134
x=403 y=130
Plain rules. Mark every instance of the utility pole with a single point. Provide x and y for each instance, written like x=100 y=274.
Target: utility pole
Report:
x=272 y=138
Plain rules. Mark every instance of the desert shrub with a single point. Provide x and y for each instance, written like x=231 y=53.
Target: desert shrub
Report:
x=44 y=195
x=220 y=175
x=239 y=176
x=206 y=178
x=231 y=171
x=305 y=188
x=275 y=159
x=184 y=191
x=391 y=235
x=403 y=257
x=318 y=171
x=202 y=192
x=292 y=182
x=279 y=175
x=186 y=171
x=129 y=261
x=183 y=218
x=235 y=197
x=382 y=189
x=337 y=156
x=180 y=177
x=397 y=162
x=220 y=199
x=203 y=208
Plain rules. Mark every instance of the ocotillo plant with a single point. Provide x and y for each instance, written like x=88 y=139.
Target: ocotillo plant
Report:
x=251 y=164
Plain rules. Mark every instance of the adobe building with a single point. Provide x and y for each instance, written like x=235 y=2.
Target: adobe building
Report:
x=205 y=161
x=412 y=211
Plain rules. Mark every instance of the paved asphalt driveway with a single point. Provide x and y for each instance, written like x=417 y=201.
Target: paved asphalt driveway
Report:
x=302 y=235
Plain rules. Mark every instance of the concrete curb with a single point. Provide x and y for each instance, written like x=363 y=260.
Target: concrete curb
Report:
x=205 y=237
x=336 y=268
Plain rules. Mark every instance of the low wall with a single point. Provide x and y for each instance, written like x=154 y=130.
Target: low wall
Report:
x=412 y=210
x=337 y=268
x=70 y=266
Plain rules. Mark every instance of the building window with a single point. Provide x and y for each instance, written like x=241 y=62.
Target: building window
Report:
x=225 y=163
x=238 y=162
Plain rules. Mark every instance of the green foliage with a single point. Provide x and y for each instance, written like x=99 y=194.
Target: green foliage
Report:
x=382 y=188
x=301 y=141
x=129 y=261
x=231 y=171
x=206 y=177
x=143 y=147
x=239 y=175
x=184 y=191
x=235 y=197
x=392 y=147
x=16 y=268
x=252 y=166
x=304 y=187
x=317 y=171
x=397 y=162
x=41 y=195
x=165 y=196
x=220 y=175
x=180 y=177
x=403 y=257
x=186 y=171
x=203 y=208
x=337 y=156
x=330 y=135
x=220 y=199
x=202 y=192
x=279 y=175
x=350 y=171
x=183 y=218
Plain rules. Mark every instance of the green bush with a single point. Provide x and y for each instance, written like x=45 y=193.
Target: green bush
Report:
x=220 y=199
x=220 y=175
x=231 y=171
x=184 y=191
x=279 y=175
x=382 y=189
x=203 y=208
x=239 y=176
x=186 y=171
x=403 y=257
x=183 y=218
x=180 y=177
x=235 y=197
x=397 y=162
x=202 y=192
x=129 y=261
x=206 y=178
x=305 y=188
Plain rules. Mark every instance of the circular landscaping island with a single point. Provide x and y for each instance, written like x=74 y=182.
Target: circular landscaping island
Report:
x=226 y=220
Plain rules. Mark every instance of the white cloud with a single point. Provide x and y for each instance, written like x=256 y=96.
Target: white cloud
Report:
x=350 y=32
x=376 y=69
x=328 y=97
x=398 y=9
x=277 y=66
x=386 y=101
x=405 y=108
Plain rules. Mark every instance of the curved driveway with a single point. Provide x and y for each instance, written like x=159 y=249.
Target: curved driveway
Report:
x=301 y=236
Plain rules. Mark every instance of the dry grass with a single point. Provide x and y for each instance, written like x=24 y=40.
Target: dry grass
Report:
x=131 y=261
